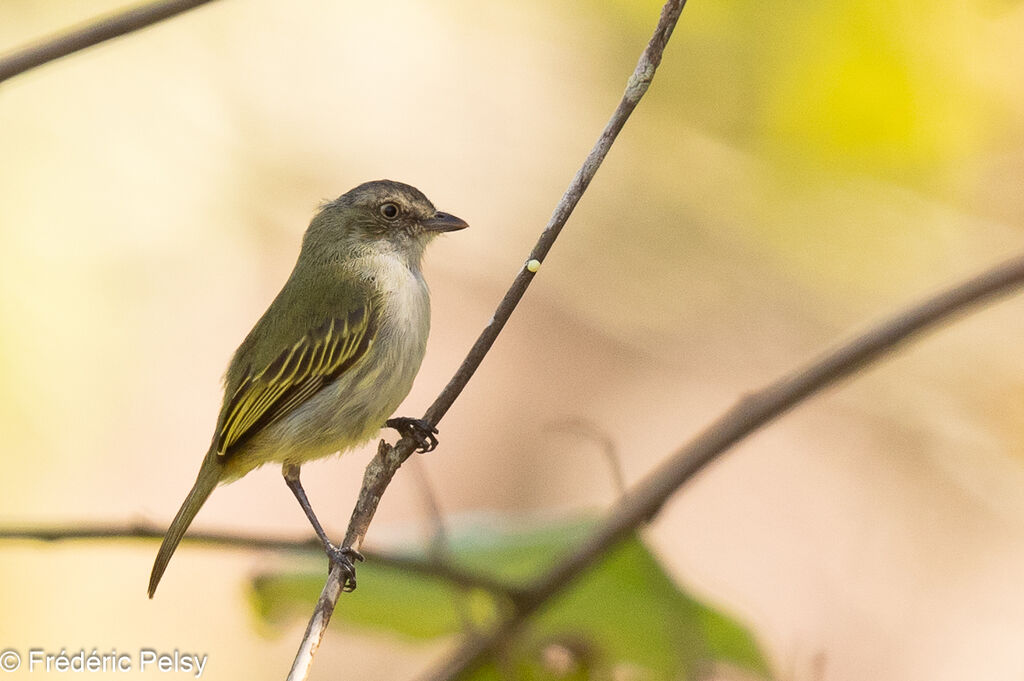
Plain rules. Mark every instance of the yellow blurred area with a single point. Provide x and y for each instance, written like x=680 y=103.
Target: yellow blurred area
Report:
x=864 y=91
x=796 y=172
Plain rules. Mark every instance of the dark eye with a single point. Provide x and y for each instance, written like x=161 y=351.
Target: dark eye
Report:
x=389 y=210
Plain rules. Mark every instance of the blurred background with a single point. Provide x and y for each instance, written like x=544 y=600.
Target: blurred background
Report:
x=796 y=172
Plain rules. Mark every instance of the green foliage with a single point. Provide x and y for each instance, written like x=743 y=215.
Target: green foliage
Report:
x=626 y=613
x=388 y=599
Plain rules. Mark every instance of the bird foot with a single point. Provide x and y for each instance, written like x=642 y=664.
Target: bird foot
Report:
x=419 y=430
x=343 y=557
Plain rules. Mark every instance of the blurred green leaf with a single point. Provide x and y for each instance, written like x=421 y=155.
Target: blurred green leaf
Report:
x=628 y=613
x=387 y=598
x=624 y=614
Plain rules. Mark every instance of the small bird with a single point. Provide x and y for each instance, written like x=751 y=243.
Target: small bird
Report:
x=332 y=357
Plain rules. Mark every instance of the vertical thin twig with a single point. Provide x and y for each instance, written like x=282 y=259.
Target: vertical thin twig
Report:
x=589 y=430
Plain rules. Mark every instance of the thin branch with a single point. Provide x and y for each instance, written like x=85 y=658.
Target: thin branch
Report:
x=429 y=567
x=589 y=430
x=377 y=477
x=438 y=547
x=752 y=412
x=437 y=541
x=448 y=572
x=98 y=31
x=384 y=465
x=61 y=533
x=635 y=90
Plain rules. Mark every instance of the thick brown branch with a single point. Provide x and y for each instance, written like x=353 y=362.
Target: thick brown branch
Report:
x=749 y=414
x=389 y=459
x=98 y=31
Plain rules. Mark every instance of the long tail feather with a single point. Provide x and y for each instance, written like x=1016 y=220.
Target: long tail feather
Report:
x=209 y=476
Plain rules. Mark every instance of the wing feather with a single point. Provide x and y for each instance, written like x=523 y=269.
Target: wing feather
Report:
x=299 y=372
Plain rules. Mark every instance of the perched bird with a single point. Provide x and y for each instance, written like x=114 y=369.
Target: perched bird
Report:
x=333 y=355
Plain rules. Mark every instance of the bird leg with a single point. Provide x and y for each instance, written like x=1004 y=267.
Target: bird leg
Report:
x=340 y=555
x=419 y=430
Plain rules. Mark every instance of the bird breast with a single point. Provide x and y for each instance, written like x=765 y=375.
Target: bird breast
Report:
x=405 y=306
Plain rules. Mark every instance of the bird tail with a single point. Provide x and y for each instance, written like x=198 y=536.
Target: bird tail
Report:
x=206 y=481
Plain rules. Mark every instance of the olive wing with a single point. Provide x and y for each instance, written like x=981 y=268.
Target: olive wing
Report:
x=293 y=377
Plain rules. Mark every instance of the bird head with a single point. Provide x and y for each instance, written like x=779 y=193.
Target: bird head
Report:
x=379 y=216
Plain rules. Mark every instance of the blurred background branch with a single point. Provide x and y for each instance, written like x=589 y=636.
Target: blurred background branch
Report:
x=588 y=430
x=754 y=411
x=430 y=566
x=93 y=33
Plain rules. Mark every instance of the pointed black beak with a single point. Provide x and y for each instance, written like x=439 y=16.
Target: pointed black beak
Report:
x=443 y=222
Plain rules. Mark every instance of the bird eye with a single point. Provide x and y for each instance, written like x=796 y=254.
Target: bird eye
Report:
x=389 y=210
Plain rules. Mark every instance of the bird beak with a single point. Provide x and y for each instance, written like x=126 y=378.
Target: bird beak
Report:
x=443 y=222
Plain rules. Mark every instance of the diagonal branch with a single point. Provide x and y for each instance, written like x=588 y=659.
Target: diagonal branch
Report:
x=100 y=30
x=388 y=459
x=752 y=412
